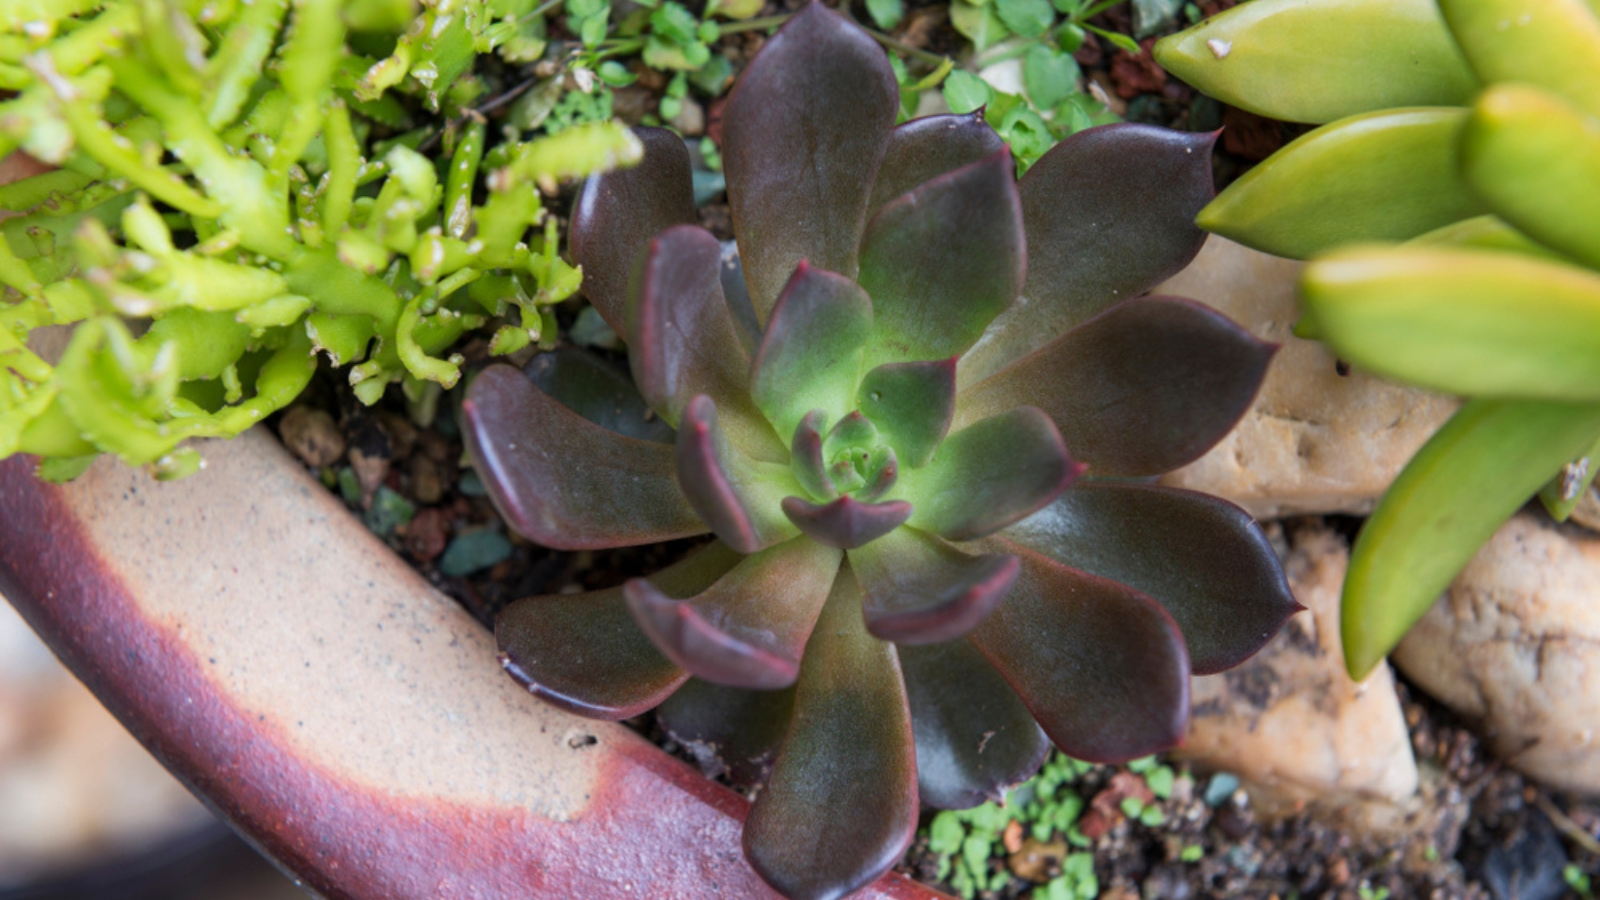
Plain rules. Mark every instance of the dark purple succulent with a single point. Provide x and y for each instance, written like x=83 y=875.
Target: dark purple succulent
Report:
x=875 y=422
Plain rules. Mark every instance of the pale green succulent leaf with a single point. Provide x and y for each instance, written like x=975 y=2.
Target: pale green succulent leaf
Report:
x=1322 y=60
x=1379 y=176
x=1535 y=160
x=1551 y=44
x=1461 y=321
x=1484 y=464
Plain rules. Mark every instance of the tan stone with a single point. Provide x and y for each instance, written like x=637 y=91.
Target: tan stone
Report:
x=1290 y=720
x=1515 y=645
x=1315 y=441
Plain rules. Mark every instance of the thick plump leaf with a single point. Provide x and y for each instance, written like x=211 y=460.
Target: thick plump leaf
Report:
x=598 y=391
x=849 y=747
x=563 y=481
x=618 y=212
x=846 y=523
x=750 y=627
x=737 y=496
x=684 y=341
x=1203 y=559
x=806 y=461
x=810 y=356
x=1322 y=60
x=739 y=728
x=923 y=149
x=1487 y=233
x=1488 y=460
x=1535 y=160
x=1109 y=214
x=1147 y=387
x=975 y=738
x=803 y=133
x=988 y=475
x=1552 y=44
x=1384 y=176
x=912 y=405
x=921 y=590
x=585 y=654
x=1102 y=667
x=942 y=261
x=1462 y=321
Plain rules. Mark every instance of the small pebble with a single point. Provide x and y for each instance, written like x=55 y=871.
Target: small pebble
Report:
x=471 y=485
x=474 y=551
x=426 y=485
x=312 y=435
x=1220 y=788
x=427 y=534
x=388 y=511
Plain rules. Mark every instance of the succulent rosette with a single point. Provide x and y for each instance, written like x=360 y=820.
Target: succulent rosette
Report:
x=919 y=410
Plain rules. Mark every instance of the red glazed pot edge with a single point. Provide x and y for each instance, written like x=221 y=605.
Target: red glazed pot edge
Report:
x=332 y=707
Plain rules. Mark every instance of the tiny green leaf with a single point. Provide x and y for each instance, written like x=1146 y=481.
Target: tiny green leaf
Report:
x=886 y=13
x=981 y=24
x=1049 y=76
x=1027 y=18
x=965 y=92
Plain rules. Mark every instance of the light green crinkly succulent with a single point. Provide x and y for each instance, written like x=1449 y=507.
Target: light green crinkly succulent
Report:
x=221 y=213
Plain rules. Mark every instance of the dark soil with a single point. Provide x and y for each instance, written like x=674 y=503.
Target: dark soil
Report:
x=1484 y=832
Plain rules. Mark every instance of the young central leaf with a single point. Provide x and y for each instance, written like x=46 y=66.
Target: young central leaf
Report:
x=810 y=355
x=942 y=261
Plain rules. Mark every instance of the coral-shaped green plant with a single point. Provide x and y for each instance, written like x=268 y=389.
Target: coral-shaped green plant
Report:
x=222 y=212
x=875 y=422
x=1470 y=129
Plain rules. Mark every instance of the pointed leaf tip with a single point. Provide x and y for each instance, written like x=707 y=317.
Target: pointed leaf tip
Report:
x=526 y=447
x=1144 y=388
x=790 y=199
x=1109 y=214
x=921 y=590
x=618 y=212
x=942 y=261
x=846 y=523
x=584 y=653
x=750 y=627
x=912 y=404
x=695 y=643
x=1203 y=559
x=975 y=738
x=1103 y=667
x=1320 y=62
x=990 y=474
x=810 y=354
x=1382 y=176
x=923 y=149
x=683 y=339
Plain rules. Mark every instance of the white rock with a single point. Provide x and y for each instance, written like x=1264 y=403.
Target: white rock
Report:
x=1314 y=441
x=1515 y=645
x=1290 y=720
